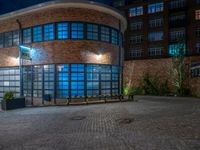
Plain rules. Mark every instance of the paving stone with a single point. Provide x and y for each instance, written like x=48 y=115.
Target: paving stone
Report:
x=160 y=123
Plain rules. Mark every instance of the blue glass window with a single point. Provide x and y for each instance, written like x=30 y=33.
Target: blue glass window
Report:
x=77 y=68
x=77 y=89
x=77 y=30
x=105 y=68
x=114 y=37
x=62 y=81
x=93 y=68
x=1 y=40
x=37 y=34
x=175 y=49
x=92 y=32
x=15 y=37
x=27 y=36
x=156 y=36
x=77 y=78
x=49 y=32
x=156 y=7
x=49 y=77
x=136 y=11
x=8 y=39
x=105 y=34
x=63 y=30
x=106 y=76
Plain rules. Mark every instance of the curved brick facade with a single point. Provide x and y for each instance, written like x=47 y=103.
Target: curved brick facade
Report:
x=62 y=51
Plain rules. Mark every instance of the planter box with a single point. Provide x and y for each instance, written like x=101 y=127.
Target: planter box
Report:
x=13 y=104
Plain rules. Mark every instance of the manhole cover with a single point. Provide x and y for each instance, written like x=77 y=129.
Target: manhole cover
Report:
x=78 y=118
x=125 y=120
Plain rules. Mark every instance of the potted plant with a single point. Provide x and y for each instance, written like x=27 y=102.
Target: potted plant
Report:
x=10 y=102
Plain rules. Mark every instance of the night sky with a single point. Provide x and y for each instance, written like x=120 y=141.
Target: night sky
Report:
x=11 y=5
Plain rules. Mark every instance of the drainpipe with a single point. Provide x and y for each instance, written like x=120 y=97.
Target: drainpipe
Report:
x=120 y=60
x=20 y=59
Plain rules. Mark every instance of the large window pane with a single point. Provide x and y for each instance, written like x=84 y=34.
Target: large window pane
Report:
x=49 y=32
x=1 y=40
x=16 y=38
x=63 y=30
x=27 y=36
x=37 y=34
x=105 y=34
x=77 y=30
x=8 y=39
x=114 y=37
x=92 y=32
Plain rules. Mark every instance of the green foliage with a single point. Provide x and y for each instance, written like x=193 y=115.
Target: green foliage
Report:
x=129 y=90
x=178 y=71
x=8 y=96
x=153 y=86
x=136 y=91
x=126 y=90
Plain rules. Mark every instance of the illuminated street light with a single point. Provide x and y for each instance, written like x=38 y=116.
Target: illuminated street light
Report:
x=99 y=56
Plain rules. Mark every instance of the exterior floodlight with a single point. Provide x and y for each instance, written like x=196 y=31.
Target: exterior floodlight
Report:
x=99 y=56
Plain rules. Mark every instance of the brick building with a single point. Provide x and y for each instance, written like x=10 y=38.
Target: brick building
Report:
x=75 y=49
x=151 y=39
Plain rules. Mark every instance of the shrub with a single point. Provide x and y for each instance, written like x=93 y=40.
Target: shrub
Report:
x=129 y=90
x=8 y=95
x=153 y=86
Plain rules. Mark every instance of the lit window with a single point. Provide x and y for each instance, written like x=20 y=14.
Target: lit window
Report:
x=16 y=38
x=1 y=40
x=114 y=37
x=136 y=11
x=37 y=34
x=62 y=81
x=63 y=30
x=105 y=34
x=157 y=7
x=49 y=32
x=156 y=36
x=175 y=49
x=27 y=38
x=77 y=31
x=92 y=32
x=77 y=80
x=197 y=14
x=8 y=39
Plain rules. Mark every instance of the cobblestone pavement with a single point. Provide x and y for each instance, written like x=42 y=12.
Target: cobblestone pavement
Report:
x=152 y=123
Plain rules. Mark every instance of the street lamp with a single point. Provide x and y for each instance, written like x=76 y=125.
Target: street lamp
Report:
x=20 y=60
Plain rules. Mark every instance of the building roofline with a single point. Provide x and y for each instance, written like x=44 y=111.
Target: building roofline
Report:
x=69 y=4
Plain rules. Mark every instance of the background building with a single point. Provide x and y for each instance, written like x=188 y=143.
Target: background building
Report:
x=75 y=49
x=155 y=29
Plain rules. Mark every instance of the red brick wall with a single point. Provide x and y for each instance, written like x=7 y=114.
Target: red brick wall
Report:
x=195 y=86
x=134 y=71
x=70 y=51
x=59 y=14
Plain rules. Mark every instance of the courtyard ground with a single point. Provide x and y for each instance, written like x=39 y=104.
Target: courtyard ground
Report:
x=152 y=123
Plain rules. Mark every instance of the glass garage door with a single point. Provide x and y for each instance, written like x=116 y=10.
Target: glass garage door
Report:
x=62 y=80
